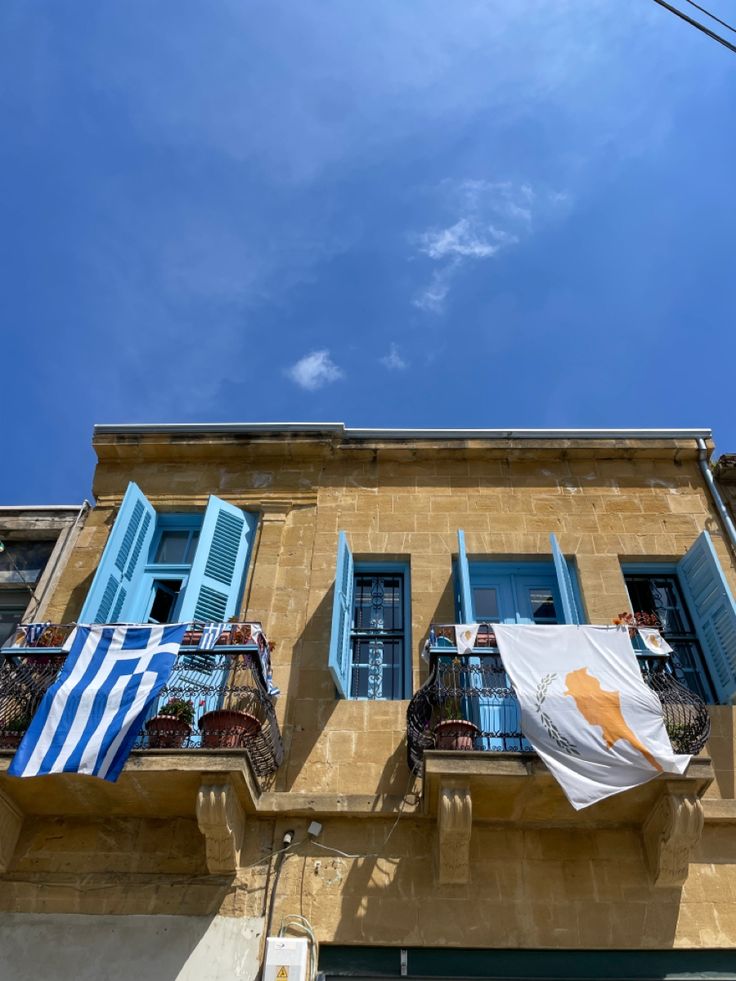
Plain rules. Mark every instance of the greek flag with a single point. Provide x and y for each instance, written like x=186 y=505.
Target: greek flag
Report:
x=88 y=720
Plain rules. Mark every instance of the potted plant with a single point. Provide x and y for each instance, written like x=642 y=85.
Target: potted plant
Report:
x=228 y=728
x=172 y=725
x=453 y=731
x=13 y=730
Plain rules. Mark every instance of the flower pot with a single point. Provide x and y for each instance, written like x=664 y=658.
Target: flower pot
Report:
x=228 y=729
x=455 y=734
x=167 y=732
x=10 y=738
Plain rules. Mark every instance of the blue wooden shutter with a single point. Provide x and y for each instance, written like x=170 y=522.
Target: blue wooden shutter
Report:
x=564 y=583
x=216 y=579
x=340 y=660
x=711 y=605
x=464 y=592
x=118 y=574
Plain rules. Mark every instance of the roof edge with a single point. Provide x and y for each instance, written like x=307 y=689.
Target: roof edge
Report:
x=340 y=429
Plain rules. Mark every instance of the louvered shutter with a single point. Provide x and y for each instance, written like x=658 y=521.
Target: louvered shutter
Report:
x=711 y=604
x=218 y=570
x=564 y=583
x=340 y=660
x=117 y=579
x=464 y=592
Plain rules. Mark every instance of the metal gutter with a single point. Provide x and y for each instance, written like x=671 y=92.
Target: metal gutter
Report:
x=42 y=507
x=340 y=429
x=715 y=494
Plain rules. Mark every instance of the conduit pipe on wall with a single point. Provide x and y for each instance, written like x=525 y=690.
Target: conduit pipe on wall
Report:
x=717 y=499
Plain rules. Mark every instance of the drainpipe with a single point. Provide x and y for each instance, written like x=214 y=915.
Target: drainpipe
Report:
x=717 y=499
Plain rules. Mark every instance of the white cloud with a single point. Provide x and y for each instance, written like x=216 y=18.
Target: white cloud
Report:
x=432 y=297
x=393 y=360
x=467 y=237
x=494 y=215
x=314 y=370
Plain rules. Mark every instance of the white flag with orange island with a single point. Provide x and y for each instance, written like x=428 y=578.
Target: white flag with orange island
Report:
x=586 y=709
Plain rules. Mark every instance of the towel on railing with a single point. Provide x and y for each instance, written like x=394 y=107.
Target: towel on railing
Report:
x=465 y=635
x=654 y=641
x=586 y=709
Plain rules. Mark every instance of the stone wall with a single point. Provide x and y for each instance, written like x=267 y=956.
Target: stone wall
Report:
x=529 y=886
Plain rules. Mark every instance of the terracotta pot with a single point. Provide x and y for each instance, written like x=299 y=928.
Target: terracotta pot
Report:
x=10 y=739
x=455 y=734
x=167 y=732
x=228 y=729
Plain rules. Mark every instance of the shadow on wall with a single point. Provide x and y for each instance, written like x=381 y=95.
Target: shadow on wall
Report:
x=311 y=698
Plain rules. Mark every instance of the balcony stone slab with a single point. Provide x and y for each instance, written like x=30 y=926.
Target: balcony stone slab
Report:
x=517 y=789
x=154 y=784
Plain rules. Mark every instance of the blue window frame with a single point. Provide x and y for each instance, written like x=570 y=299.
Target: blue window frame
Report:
x=171 y=566
x=370 y=643
x=379 y=632
x=656 y=588
x=503 y=592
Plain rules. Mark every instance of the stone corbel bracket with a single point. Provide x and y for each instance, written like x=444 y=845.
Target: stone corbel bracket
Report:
x=11 y=821
x=454 y=824
x=221 y=820
x=670 y=834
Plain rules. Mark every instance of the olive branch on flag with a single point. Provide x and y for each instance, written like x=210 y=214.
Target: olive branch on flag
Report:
x=562 y=742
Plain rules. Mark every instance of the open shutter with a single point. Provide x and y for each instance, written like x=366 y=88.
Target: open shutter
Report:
x=340 y=660
x=126 y=553
x=213 y=589
x=464 y=592
x=711 y=604
x=564 y=583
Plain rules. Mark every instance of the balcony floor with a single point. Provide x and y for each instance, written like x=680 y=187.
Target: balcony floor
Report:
x=154 y=784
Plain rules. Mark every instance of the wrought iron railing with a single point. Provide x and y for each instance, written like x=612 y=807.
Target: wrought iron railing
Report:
x=214 y=699
x=468 y=704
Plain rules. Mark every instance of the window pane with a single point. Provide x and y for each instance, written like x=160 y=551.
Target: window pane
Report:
x=24 y=561
x=13 y=603
x=542 y=604
x=173 y=547
x=164 y=600
x=192 y=547
x=485 y=603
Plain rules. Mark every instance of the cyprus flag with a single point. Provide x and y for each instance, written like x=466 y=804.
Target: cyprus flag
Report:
x=586 y=709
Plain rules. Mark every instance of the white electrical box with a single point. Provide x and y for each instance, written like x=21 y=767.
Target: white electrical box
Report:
x=286 y=959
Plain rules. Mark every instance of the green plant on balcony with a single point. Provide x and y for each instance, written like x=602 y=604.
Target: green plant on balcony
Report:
x=172 y=725
x=454 y=731
x=179 y=708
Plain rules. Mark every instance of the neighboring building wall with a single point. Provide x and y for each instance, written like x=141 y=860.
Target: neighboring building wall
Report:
x=21 y=525
x=530 y=887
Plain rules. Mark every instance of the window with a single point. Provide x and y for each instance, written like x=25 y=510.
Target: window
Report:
x=22 y=562
x=662 y=595
x=516 y=592
x=370 y=652
x=159 y=567
x=696 y=609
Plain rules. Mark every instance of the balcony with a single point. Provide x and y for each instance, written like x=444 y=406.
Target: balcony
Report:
x=208 y=748
x=464 y=736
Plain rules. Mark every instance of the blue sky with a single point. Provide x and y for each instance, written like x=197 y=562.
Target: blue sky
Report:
x=395 y=213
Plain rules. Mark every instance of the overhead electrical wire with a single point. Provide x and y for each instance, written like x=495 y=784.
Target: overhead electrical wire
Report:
x=697 y=24
x=712 y=16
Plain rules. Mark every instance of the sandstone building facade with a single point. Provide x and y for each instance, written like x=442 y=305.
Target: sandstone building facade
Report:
x=454 y=862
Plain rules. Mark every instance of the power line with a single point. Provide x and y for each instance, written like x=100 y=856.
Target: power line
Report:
x=697 y=24
x=712 y=16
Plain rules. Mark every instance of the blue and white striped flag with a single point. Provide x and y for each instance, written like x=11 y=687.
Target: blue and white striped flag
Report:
x=88 y=720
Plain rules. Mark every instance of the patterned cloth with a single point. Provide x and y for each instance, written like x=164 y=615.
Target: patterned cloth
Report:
x=88 y=720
